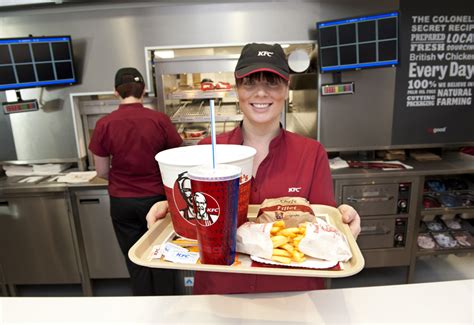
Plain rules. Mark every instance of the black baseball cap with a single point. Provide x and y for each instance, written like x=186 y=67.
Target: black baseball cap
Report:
x=127 y=75
x=257 y=57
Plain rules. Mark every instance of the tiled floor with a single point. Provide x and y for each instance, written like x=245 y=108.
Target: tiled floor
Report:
x=428 y=269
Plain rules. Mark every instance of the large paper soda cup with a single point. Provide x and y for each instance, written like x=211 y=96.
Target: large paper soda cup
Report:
x=216 y=195
x=174 y=164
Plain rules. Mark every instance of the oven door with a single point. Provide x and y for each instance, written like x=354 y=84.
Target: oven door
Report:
x=372 y=200
x=376 y=233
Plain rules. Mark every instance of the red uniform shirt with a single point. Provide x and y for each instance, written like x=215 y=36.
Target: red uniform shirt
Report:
x=294 y=166
x=132 y=135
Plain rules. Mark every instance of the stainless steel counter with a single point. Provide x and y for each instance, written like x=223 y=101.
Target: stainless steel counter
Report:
x=455 y=163
x=41 y=238
x=11 y=185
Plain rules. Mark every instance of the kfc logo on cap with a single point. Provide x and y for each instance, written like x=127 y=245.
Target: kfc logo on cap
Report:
x=265 y=53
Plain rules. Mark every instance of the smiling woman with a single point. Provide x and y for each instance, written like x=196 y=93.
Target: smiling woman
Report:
x=286 y=164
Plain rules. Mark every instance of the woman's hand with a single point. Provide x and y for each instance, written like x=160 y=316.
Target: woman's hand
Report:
x=157 y=211
x=351 y=217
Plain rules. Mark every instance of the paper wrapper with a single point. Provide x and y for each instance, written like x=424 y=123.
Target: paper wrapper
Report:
x=309 y=263
x=254 y=239
x=322 y=241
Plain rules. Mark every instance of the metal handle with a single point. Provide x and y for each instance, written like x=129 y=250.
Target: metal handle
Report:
x=369 y=199
x=89 y=201
x=375 y=232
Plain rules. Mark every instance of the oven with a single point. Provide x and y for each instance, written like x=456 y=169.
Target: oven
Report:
x=387 y=207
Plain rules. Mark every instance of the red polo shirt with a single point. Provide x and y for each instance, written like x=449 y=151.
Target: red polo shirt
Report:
x=132 y=135
x=294 y=166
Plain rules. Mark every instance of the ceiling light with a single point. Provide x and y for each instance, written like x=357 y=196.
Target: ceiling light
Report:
x=165 y=54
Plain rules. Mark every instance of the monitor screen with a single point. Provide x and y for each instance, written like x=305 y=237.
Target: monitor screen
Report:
x=35 y=62
x=356 y=43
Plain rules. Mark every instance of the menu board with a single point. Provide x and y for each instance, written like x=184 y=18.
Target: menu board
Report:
x=36 y=62
x=434 y=96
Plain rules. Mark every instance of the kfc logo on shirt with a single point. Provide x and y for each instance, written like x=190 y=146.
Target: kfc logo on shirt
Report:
x=294 y=189
x=265 y=53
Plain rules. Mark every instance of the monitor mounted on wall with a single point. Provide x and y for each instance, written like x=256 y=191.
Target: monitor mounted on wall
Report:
x=29 y=62
x=359 y=42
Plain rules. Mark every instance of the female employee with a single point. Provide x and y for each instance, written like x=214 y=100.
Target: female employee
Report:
x=286 y=164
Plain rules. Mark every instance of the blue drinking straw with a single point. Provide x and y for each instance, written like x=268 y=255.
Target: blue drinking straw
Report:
x=213 y=133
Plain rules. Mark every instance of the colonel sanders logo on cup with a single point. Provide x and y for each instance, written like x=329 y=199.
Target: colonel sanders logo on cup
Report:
x=207 y=209
x=206 y=206
x=183 y=197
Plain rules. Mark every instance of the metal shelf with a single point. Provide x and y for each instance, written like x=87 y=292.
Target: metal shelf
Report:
x=432 y=211
x=444 y=251
x=199 y=94
x=191 y=142
x=201 y=113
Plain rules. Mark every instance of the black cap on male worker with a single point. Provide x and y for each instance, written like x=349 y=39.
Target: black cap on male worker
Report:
x=127 y=75
x=257 y=57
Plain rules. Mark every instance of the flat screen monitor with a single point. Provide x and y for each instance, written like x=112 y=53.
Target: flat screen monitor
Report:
x=357 y=43
x=36 y=62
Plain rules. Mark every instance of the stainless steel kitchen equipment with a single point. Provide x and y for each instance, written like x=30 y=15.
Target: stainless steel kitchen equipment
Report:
x=302 y=113
x=360 y=121
x=42 y=136
x=186 y=82
x=188 y=77
x=387 y=207
x=104 y=257
x=37 y=239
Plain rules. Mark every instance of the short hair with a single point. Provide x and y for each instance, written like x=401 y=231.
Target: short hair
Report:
x=131 y=89
x=262 y=75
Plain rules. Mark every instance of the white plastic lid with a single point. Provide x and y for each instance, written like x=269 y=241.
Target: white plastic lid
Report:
x=202 y=154
x=220 y=173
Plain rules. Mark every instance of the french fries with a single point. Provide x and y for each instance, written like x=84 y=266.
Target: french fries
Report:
x=285 y=242
x=279 y=240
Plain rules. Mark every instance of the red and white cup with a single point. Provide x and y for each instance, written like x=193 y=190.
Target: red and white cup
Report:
x=174 y=165
x=216 y=198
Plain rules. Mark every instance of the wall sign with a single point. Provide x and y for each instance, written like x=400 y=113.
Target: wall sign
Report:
x=434 y=97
